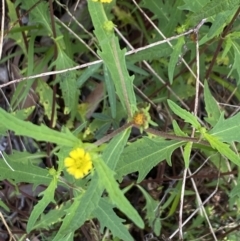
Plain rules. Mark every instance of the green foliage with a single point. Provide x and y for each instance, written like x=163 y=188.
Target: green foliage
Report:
x=113 y=57
x=174 y=58
x=48 y=197
x=41 y=133
x=212 y=108
x=144 y=154
x=107 y=217
x=49 y=116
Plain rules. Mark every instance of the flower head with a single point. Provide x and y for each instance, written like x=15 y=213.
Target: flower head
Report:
x=79 y=164
x=142 y=118
x=139 y=119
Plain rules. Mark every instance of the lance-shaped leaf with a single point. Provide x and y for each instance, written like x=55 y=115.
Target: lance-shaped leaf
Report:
x=144 y=154
x=108 y=218
x=48 y=196
x=222 y=148
x=185 y=115
x=113 y=56
x=40 y=133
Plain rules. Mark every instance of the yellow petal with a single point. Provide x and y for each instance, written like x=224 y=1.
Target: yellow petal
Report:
x=87 y=157
x=69 y=162
x=78 y=174
x=72 y=170
x=80 y=152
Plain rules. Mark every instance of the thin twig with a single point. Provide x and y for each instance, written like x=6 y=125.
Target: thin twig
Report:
x=6 y=226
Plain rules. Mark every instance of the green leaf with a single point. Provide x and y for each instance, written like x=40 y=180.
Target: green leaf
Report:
x=113 y=57
x=25 y=172
x=24 y=113
x=177 y=129
x=14 y=23
x=151 y=207
x=108 y=218
x=142 y=155
x=48 y=197
x=185 y=115
x=46 y=98
x=220 y=21
x=174 y=58
x=153 y=5
x=214 y=7
x=40 y=14
x=115 y=148
x=87 y=73
x=40 y=133
x=156 y=52
x=193 y=6
x=81 y=208
x=212 y=107
x=111 y=92
x=227 y=130
x=117 y=197
x=68 y=82
x=223 y=148
x=235 y=65
x=52 y=217
x=186 y=153
x=84 y=206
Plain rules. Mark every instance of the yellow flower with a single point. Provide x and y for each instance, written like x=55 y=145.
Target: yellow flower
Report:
x=103 y=1
x=79 y=164
x=139 y=119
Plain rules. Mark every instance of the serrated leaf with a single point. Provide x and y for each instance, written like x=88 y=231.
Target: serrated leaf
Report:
x=48 y=197
x=220 y=21
x=214 y=7
x=175 y=57
x=81 y=209
x=222 y=148
x=212 y=107
x=46 y=97
x=68 y=82
x=52 y=217
x=113 y=57
x=142 y=155
x=185 y=115
x=150 y=207
x=108 y=218
x=40 y=133
x=227 y=130
x=25 y=172
x=40 y=14
x=116 y=195
x=84 y=206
